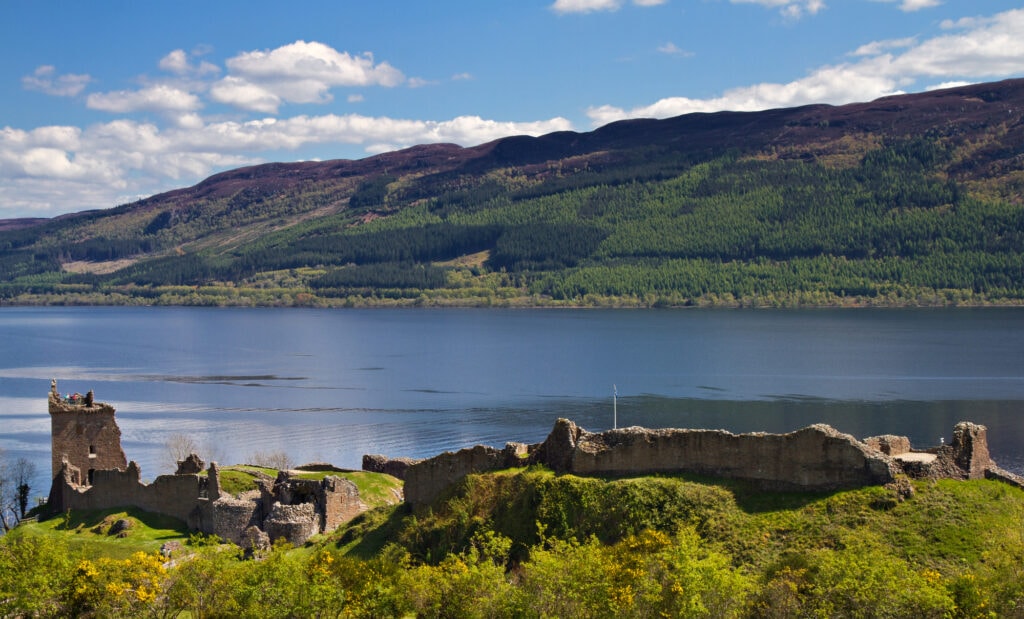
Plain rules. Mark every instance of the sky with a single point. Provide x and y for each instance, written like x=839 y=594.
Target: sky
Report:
x=108 y=101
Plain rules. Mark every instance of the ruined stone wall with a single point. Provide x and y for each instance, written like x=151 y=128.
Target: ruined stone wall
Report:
x=172 y=495
x=86 y=436
x=395 y=467
x=970 y=449
x=230 y=517
x=814 y=458
x=889 y=444
x=90 y=472
x=427 y=479
x=294 y=523
x=341 y=502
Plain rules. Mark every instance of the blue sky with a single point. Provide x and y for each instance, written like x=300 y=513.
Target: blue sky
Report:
x=105 y=102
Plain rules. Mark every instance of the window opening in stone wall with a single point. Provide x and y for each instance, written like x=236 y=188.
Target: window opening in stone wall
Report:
x=92 y=451
x=91 y=471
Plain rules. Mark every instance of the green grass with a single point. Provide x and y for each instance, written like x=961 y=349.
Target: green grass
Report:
x=88 y=531
x=235 y=481
x=240 y=478
x=945 y=525
x=375 y=489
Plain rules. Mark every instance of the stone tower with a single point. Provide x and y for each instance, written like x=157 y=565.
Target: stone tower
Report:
x=83 y=433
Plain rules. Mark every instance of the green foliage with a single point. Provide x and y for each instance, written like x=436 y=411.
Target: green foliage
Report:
x=372 y=192
x=88 y=531
x=36 y=570
x=499 y=546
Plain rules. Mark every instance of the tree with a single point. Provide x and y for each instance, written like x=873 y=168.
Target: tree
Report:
x=24 y=471
x=179 y=447
x=15 y=486
x=279 y=460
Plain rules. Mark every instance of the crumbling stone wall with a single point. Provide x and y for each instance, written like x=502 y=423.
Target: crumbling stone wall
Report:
x=230 y=517
x=427 y=479
x=396 y=467
x=889 y=444
x=333 y=500
x=85 y=435
x=813 y=458
x=86 y=438
x=293 y=523
x=341 y=502
x=173 y=495
x=970 y=449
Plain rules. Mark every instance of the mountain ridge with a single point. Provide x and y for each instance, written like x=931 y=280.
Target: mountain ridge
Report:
x=928 y=151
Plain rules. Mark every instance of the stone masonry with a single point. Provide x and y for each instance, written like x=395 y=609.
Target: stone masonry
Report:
x=816 y=458
x=83 y=433
x=85 y=437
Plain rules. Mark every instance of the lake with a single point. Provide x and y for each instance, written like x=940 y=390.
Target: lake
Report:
x=332 y=385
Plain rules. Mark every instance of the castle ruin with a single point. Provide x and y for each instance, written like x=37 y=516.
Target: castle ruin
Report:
x=85 y=437
x=84 y=434
x=816 y=458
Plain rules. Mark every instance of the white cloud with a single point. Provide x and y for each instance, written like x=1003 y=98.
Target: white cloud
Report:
x=790 y=9
x=909 y=6
x=949 y=85
x=299 y=72
x=877 y=47
x=242 y=94
x=45 y=79
x=177 y=62
x=590 y=6
x=987 y=48
x=354 y=98
x=315 y=61
x=672 y=49
x=157 y=98
x=585 y=6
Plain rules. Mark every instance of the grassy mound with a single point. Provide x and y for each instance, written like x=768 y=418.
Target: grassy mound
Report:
x=114 y=533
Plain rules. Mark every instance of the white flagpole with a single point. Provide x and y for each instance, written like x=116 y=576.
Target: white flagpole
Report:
x=615 y=407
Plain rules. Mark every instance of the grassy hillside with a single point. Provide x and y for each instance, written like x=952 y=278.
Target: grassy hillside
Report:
x=909 y=200
x=527 y=543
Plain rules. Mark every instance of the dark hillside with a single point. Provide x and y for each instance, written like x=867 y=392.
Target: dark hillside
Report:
x=910 y=199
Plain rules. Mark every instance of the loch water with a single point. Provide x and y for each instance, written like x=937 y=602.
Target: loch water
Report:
x=332 y=385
